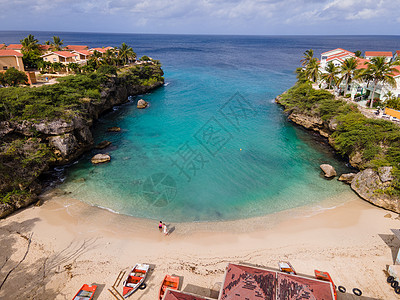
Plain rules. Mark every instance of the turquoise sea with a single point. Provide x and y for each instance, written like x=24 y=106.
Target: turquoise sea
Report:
x=213 y=145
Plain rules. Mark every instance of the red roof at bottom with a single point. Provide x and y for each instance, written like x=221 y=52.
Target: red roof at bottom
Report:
x=243 y=282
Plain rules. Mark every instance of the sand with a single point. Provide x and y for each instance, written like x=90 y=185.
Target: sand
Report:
x=74 y=243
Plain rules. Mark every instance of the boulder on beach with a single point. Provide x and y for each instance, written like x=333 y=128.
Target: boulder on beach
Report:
x=142 y=104
x=347 y=178
x=103 y=144
x=100 y=158
x=114 y=129
x=328 y=170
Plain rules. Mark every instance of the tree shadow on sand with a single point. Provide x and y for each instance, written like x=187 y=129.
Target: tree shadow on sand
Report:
x=43 y=273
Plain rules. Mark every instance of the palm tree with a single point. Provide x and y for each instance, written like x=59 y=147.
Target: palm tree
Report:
x=331 y=74
x=125 y=53
x=378 y=71
x=308 y=56
x=95 y=59
x=29 y=43
x=358 y=53
x=57 y=43
x=348 y=70
x=312 y=71
x=110 y=57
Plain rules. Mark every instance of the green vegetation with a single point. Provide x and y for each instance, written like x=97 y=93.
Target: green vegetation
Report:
x=13 y=77
x=378 y=141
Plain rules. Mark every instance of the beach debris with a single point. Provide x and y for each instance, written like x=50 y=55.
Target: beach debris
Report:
x=103 y=144
x=387 y=216
x=142 y=104
x=347 y=178
x=328 y=170
x=113 y=289
x=114 y=129
x=100 y=158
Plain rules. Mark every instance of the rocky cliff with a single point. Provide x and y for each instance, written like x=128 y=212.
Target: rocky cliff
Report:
x=30 y=147
x=373 y=184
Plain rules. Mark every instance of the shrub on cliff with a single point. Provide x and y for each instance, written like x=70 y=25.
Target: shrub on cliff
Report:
x=378 y=141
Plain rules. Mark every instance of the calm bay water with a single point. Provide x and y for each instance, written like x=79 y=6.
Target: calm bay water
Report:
x=212 y=145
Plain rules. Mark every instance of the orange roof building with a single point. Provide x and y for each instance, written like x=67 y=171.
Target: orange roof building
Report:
x=244 y=282
x=64 y=57
x=82 y=55
x=11 y=59
x=386 y=54
x=2 y=46
x=101 y=50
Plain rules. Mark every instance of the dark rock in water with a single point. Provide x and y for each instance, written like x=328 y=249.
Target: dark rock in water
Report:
x=103 y=144
x=100 y=158
x=369 y=186
x=114 y=129
x=142 y=104
x=328 y=170
x=347 y=178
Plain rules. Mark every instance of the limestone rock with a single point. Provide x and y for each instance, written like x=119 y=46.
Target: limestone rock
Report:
x=309 y=122
x=103 y=144
x=100 y=158
x=356 y=159
x=114 y=129
x=368 y=185
x=385 y=174
x=66 y=143
x=347 y=178
x=142 y=104
x=328 y=170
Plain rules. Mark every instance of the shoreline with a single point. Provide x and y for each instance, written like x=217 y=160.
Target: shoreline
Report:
x=75 y=243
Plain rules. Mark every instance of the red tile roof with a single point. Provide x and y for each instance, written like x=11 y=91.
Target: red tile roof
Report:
x=378 y=53
x=2 y=45
x=396 y=73
x=177 y=295
x=61 y=53
x=243 y=282
x=398 y=52
x=83 y=52
x=10 y=53
x=362 y=63
x=337 y=49
x=14 y=46
x=101 y=50
x=76 y=47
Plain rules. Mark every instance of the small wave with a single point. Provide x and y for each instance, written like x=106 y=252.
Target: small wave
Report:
x=108 y=209
x=166 y=84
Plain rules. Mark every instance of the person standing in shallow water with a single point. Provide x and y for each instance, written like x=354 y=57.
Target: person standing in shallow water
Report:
x=160 y=226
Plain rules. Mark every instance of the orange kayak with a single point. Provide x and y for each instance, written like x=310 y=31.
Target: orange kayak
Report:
x=85 y=293
x=171 y=282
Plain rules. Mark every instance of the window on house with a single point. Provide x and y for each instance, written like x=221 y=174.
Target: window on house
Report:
x=5 y=67
x=54 y=59
x=324 y=57
x=45 y=58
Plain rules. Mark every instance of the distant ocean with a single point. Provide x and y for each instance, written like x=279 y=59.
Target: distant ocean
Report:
x=213 y=145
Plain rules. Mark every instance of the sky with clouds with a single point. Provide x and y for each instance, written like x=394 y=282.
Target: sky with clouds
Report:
x=263 y=17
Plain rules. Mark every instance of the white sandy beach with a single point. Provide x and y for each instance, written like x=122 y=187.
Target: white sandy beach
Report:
x=74 y=243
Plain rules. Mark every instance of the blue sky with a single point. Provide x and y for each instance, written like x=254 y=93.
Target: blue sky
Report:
x=262 y=17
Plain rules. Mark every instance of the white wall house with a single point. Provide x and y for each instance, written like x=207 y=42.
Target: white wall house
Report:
x=337 y=56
